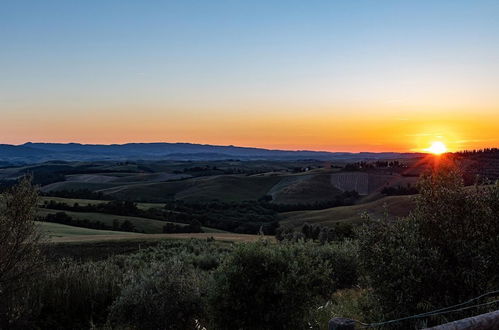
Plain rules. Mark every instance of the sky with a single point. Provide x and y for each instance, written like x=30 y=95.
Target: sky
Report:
x=375 y=75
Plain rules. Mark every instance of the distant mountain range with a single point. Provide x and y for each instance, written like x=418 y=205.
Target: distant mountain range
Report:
x=40 y=152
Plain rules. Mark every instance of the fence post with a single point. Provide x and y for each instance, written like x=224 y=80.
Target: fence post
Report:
x=341 y=323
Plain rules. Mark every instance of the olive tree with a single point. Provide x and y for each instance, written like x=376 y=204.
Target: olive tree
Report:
x=19 y=242
x=445 y=252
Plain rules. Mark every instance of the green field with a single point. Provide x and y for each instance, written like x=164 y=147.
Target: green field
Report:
x=59 y=233
x=76 y=185
x=148 y=226
x=53 y=230
x=395 y=206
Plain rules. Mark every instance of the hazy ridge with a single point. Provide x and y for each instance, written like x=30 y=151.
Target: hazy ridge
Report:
x=40 y=152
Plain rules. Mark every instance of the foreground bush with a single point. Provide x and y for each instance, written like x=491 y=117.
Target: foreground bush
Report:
x=446 y=252
x=343 y=303
x=270 y=286
x=70 y=295
x=160 y=296
x=170 y=286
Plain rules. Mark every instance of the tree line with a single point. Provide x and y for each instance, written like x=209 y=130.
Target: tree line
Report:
x=65 y=219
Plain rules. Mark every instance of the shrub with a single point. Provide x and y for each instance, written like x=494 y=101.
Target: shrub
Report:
x=73 y=296
x=344 y=303
x=268 y=286
x=341 y=259
x=444 y=253
x=316 y=232
x=164 y=295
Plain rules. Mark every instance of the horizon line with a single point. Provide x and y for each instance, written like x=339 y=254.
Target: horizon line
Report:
x=226 y=145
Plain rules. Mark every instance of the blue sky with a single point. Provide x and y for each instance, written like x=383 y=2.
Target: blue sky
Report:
x=179 y=61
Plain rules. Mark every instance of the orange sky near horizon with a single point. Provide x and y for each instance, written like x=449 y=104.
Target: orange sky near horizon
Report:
x=297 y=131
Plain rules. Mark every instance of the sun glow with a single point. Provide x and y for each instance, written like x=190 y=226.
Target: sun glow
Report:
x=437 y=148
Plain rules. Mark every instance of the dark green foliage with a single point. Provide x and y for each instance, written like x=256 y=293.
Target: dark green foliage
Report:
x=400 y=269
x=343 y=199
x=383 y=164
x=65 y=219
x=125 y=208
x=288 y=233
x=194 y=227
x=254 y=286
x=239 y=217
x=20 y=258
x=161 y=296
x=342 y=260
x=446 y=252
x=242 y=217
x=72 y=295
x=127 y=225
x=265 y=286
x=315 y=232
x=400 y=190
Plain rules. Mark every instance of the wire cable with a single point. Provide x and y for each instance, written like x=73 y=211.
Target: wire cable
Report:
x=449 y=309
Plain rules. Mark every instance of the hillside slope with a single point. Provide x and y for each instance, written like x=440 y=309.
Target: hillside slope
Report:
x=396 y=206
x=226 y=188
x=148 y=226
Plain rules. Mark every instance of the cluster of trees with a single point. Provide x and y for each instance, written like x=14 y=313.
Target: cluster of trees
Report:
x=113 y=207
x=400 y=190
x=316 y=232
x=363 y=165
x=208 y=170
x=484 y=165
x=125 y=208
x=78 y=193
x=249 y=217
x=343 y=199
x=240 y=217
x=478 y=152
x=193 y=227
x=65 y=219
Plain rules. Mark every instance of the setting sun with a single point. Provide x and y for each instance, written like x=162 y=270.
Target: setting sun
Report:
x=437 y=148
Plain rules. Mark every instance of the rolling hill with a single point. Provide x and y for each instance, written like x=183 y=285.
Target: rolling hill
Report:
x=395 y=206
x=54 y=230
x=285 y=188
x=148 y=226
x=304 y=189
